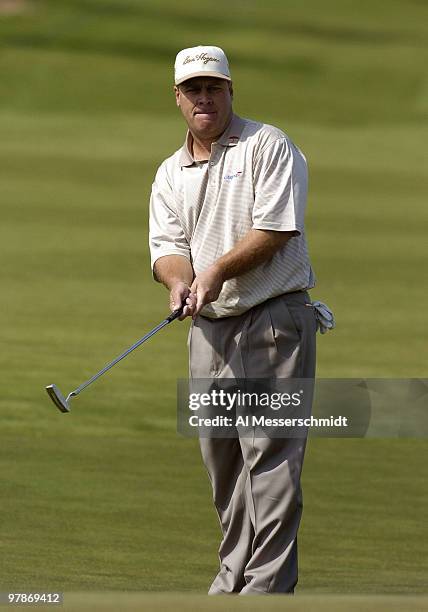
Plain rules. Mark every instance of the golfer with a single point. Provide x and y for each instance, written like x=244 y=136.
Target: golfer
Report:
x=227 y=238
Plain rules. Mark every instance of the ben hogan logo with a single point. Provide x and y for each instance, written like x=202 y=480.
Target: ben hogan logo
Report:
x=202 y=57
x=229 y=177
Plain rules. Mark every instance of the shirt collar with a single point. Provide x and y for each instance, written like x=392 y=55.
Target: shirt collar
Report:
x=186 y=158
x=232 y=134
x=230 y=138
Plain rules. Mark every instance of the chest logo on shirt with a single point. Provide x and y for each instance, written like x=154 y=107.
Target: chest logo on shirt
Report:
x=230 y=177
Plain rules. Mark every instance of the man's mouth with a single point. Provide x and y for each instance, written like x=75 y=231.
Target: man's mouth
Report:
x=205 y=114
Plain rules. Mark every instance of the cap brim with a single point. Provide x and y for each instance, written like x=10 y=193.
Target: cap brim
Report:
x=203 y=73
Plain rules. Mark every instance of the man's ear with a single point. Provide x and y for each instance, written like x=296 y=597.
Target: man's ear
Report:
x=231 y=89
x=177 y=95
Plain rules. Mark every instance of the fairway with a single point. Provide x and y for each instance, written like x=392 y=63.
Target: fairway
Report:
x=177 y=602
x=109 y=498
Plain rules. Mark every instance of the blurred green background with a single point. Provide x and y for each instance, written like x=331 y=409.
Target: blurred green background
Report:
x=110 y=497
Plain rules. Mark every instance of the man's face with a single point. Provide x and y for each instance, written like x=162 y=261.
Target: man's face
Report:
x=206 y=104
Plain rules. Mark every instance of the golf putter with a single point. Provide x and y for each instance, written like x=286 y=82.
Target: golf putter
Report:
x=63 y=403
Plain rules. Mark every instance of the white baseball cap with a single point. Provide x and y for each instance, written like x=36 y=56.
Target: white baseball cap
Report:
x=201 y=61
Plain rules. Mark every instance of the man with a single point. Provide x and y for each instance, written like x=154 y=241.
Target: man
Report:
x=227 y=239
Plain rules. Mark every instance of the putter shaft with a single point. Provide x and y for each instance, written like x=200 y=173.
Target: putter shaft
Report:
x=62 y=403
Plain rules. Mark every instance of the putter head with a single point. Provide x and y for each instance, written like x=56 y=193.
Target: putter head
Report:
x=58 y=399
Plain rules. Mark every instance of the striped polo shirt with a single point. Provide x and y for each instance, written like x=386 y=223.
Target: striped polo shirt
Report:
x=256 y=178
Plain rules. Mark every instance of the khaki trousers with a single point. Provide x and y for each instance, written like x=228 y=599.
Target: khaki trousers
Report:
x=256 y=481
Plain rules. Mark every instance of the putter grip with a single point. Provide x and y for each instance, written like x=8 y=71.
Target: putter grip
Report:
x=175 y=314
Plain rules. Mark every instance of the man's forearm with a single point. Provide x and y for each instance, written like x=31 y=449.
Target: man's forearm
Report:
x=173 y=269
x=256 y=247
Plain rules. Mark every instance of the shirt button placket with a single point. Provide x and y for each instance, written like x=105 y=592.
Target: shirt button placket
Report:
x=211 y=171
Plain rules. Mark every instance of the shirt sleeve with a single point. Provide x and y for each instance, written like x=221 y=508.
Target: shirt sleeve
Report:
x=280 y=185
x=166 y=235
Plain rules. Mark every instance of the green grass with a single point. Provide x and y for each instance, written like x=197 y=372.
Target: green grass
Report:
x=109 y=497
x=182 y=602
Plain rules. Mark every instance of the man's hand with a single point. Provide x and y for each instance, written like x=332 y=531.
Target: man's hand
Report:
x=181 y=292
x=176 y=271
x=206 y=288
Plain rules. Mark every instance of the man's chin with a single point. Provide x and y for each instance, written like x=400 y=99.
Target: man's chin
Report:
x=206 y=125
x=206 y=121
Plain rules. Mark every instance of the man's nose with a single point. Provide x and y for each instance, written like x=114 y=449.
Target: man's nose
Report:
x=205 y=97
